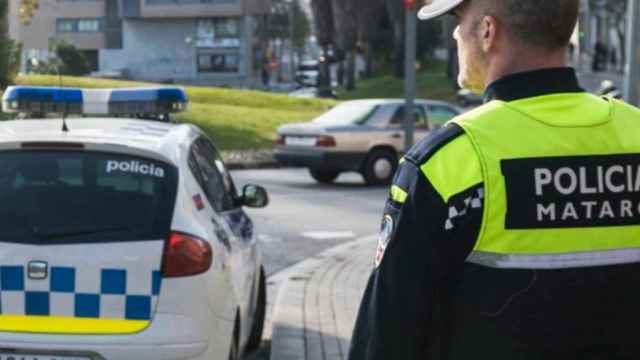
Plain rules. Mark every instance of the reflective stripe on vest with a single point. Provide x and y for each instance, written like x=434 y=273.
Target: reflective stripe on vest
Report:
x=555 y=261
x=562 y=182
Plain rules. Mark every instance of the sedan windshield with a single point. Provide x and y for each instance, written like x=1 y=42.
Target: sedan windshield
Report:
x=353 y=112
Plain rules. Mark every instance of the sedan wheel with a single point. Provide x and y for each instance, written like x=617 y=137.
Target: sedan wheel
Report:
x=380 y=167
x=324 y=176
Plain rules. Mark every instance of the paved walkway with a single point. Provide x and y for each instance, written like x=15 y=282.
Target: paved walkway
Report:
x=318 y=302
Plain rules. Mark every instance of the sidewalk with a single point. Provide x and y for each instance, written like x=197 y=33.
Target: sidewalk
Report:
x=318 y=303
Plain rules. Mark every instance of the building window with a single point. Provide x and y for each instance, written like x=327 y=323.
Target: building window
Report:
x=78 y=25
x=218 y=62
x=66 y=25
x=88 y=25
x=218 y=33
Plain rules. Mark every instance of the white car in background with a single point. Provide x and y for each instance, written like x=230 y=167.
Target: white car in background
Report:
x=365 y=136
x=122 y=238
x=307 y=73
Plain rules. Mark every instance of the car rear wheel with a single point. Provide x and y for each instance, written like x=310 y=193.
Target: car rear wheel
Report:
x=258 y=317
x=324 y=176
x=380 y=166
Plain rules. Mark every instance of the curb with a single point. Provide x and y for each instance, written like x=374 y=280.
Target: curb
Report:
x=253 y=165
x=288 y=341
x=249 y=159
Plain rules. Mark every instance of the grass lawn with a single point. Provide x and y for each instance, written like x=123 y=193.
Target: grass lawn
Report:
x=242 y=119
x=431 y=83
x=235 y=119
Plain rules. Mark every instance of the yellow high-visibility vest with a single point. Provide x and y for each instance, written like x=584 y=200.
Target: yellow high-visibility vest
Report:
x=561 y=181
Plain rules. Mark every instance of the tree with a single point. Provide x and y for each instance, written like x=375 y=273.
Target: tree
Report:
x=71 y=60
x=396 y=12
x=301 y=26
x=27 y=8
x=5 y=48
x=280 y=22
x=346 y=33
x=370 y=16
x=324 y=26
x=10 y=51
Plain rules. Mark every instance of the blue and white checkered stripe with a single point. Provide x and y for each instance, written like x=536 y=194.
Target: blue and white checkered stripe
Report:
x=104 y=293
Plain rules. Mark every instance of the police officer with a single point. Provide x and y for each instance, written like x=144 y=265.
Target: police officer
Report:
x=514 y=231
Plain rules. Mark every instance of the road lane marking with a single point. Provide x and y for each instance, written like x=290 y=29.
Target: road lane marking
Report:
x=326 y=235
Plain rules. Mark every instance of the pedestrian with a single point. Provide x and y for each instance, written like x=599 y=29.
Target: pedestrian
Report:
x=513 y=232
x=266 y=76
x=600 y=57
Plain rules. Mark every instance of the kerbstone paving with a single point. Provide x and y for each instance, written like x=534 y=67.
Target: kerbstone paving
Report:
x=318 y=302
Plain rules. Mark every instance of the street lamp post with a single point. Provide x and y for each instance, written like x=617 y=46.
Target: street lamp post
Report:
x=291 y=36
x=631 y=85
x=410 y=72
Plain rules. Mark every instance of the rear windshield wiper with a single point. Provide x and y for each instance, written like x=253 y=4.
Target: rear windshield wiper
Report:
x=79 y=231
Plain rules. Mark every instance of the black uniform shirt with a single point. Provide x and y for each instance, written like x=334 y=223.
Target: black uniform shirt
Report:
x=426 y=239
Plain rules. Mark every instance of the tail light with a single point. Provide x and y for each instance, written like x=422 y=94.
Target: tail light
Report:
x=280 y=140
x=186 y=255
x=326 y=141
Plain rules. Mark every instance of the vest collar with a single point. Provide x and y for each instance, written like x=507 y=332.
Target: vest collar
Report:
x=533 y=83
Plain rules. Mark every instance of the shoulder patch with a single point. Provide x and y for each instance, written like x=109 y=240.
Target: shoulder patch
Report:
x=429 y=145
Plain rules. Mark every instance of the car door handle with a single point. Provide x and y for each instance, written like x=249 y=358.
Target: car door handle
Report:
x=396 y=135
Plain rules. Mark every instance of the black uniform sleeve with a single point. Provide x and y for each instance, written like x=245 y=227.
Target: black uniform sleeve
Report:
x=427 y=242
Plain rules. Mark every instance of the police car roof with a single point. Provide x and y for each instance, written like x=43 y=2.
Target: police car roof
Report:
x=139 y=135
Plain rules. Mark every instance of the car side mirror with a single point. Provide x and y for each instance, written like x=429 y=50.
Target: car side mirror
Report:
x=254 y=196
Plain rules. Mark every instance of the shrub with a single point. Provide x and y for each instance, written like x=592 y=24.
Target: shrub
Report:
x=73 y=61
x=15 y=59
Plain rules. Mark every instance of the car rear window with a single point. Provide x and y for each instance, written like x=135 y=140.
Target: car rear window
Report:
x=346 y=113
x=74 y=197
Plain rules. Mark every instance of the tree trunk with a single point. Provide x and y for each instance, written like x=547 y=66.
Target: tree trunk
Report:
x=5 y=46
x=325 y=70
x=351 y=70
x=398 y=50
x=369 y=58
x=341 y=73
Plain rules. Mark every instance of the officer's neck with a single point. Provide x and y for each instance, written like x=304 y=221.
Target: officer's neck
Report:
x=522 y=60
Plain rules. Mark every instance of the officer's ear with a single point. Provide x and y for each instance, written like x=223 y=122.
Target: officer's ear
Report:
x=488 y=33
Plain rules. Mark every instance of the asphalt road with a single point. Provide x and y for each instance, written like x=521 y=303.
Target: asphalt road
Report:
x=305 y=218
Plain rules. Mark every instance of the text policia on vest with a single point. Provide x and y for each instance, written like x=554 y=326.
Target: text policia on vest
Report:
x=588 y=192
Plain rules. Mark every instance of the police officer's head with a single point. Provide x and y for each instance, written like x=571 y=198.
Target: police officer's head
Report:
x=498 y=37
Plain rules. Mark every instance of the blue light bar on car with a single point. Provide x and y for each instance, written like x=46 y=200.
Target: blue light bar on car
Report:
x=140 y=101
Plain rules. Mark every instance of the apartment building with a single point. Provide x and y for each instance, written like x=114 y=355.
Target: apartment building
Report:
x=187 y=41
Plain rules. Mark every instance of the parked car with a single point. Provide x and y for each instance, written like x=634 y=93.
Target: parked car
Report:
x=362 y=135
x=609 y=88
x=122 y=238
x=308 y=72
x=466 y=97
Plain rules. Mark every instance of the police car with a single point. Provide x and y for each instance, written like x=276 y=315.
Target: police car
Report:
x=121 y=238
